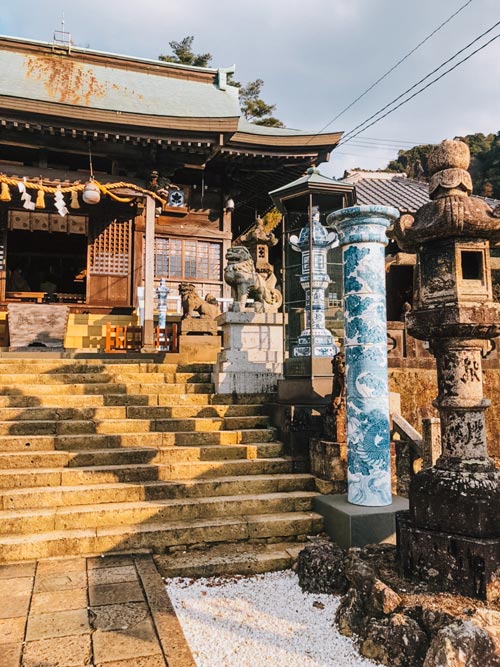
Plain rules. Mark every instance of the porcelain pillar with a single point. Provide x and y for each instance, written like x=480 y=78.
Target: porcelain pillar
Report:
x=362 y=235
x=315 y=340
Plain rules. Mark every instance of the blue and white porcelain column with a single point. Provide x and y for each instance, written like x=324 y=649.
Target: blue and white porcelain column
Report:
x=315 y=340
x=362 y=234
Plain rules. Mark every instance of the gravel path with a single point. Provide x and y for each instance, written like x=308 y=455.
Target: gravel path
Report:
x=260 y=621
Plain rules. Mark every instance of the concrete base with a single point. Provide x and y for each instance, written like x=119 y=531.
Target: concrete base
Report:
x=354 y=525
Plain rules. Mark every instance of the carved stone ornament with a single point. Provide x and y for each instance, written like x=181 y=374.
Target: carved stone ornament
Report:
x=452 y=212
x=193 y=304
x=241 y=274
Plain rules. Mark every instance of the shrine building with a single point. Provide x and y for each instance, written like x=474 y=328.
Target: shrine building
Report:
x=116 y=172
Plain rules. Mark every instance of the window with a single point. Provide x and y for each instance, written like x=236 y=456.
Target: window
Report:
x=187 y=259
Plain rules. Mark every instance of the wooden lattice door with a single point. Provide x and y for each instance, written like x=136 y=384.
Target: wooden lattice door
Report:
x=109 y=262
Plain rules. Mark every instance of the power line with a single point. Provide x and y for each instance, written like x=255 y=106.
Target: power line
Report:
x=421 y=90
x=408 y=90
x=426 y=39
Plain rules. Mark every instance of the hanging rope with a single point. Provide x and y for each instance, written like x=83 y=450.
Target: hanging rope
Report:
x=105 y=188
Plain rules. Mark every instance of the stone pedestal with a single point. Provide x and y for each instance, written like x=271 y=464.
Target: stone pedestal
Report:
x=355 y=526
x=459 y=564
x=198 y=326
x=194 y=348
x=251 y=361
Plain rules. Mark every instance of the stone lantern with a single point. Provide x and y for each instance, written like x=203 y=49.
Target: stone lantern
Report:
x=452 y=530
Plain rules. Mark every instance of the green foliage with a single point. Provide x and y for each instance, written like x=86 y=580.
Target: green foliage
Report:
x=252 y=105
x=484 y=166
x=183 y=53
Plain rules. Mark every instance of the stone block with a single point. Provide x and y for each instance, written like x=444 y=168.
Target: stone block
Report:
x=129 y=591
x=59 y=601
x=354 y=525
x=465 y=565
x=71 y=651
x=14 y=606
x=112 y=575
x=135 y=642
x=57 y=624
x=328 y=459
x=11 y=630
x=11 y=654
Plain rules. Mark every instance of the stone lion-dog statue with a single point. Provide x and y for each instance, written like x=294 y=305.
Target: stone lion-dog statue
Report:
x=193 y=303
x=246 y=282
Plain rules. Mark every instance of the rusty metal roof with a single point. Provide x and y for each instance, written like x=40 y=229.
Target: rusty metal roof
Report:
x=92 y=80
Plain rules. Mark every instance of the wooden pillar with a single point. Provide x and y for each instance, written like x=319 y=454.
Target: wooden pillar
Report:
x=149 y=277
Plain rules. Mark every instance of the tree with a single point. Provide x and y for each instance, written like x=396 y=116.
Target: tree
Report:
x=484 y=164
x=183 y=53
x=252 y=105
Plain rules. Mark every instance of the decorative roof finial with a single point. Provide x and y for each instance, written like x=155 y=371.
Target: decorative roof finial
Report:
x=448 y=163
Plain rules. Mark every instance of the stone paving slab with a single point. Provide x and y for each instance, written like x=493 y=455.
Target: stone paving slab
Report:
x=110 y=611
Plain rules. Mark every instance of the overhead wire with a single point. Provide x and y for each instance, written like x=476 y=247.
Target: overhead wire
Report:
x=396 y=65
x=364 y=126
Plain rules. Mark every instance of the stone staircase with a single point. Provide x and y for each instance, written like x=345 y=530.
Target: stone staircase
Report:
x=105 y=455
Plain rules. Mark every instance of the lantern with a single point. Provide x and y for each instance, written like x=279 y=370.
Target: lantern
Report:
x=91 y=193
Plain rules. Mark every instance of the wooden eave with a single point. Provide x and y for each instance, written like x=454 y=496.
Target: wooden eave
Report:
x=28 y=108
x=293 y=142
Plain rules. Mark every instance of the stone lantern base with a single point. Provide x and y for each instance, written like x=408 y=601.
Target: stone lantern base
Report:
x=459 y=564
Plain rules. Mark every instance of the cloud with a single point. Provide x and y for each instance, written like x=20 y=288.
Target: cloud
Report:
x=315 y=58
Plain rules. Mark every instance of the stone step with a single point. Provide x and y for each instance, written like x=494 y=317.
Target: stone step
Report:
x=37 y=379
x=89 y=441
x=137 y=473
x=98 y=413
x=104 y=388
x=19 y=366
x=229 y=559
x=77 y=459
x=119 y=426
x=67 y=399
x=160 y=511
x=120 y=456
x=158 y=537
x=65 y=496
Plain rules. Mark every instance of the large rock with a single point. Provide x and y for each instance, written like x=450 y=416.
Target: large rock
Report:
x=351 y=615
x=462 y=644
x=320 y=569
x=397 y=641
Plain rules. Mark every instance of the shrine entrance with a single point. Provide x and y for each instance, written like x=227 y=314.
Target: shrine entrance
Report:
x=52 y=265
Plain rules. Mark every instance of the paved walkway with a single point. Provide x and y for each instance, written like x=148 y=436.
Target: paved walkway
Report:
x=109 y=611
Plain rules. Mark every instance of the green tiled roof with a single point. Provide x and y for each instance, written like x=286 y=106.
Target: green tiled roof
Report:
x=112 y=83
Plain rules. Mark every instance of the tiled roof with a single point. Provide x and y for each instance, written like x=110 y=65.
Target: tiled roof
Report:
x=389 y=189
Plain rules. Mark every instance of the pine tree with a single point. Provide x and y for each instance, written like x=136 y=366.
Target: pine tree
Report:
x=253 y=107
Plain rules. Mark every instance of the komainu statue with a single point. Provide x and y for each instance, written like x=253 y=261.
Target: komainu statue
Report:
x=193 y=303
x=246 y=282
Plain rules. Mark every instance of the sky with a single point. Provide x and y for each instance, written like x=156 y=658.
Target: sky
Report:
x=315 y=57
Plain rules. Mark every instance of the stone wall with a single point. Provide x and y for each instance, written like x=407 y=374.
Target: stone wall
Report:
x=418 y=388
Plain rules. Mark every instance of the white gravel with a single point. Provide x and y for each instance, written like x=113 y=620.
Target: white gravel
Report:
x=260 y=621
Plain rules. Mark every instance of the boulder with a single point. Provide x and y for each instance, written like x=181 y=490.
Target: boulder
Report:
x=398 y=641
x=320 y=569
x=462 y=644
x=350 y=616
